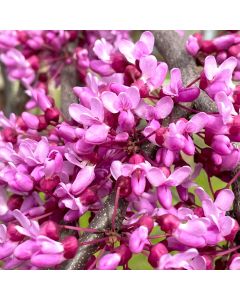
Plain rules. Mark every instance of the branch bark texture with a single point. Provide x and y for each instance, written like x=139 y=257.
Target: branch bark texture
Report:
x=102 y=221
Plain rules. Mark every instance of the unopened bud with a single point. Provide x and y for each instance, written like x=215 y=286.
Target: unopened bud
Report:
x=13 y=234
x=52 y=114
x=160 y=135
x=136 y=159
x=88 y=197
x=42 y=123
x=47 y=185
x=70 y=245
x=124 y=183
x=15 y=202
x=9 y=135
x=50 y=229
x=124 y=253
x=156 y=252
x=146 y=221
x=168 y=223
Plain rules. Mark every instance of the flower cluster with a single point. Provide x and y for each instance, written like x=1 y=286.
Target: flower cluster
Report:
x=123 y=141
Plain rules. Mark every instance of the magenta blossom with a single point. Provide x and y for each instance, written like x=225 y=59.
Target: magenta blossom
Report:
x=142 y=48
x=93 y=119
x=124 y=103
x=216 y=79
x=188 y=260
x=18 y=66
x=163 y=183
x=178 y=91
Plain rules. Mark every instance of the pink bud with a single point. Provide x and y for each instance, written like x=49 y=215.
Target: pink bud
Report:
x=119 y=62
x=88 y=197
x=136 y=159
x=131 y=74
x=146 y=221
x=124 y=252
x=192 y=45
x=221 y=56
x=52 y=114
x=235 y=126
x=125 y=185
x=224 y=42
x=21 y=124
x=9 y=135
x=168 y=223
x=13 y=234
x=50 y=229
x=143 y=88
x=30 y=120
x=208 y=47
x=47 y=185
x=34 y=62
x=83 y=179
x=70 y=244
x=42 y=123
x=160 y=135
x=234 y=50
x=138 y=239
x=117 y=88
x=198 y=211
x=15 y=202
x=156 y=252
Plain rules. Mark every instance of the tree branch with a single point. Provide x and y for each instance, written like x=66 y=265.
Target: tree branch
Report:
x=68 y=81
x=102 y=221
x=13 y=99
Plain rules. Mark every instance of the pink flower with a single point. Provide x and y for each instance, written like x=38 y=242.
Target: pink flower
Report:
x=153 y=74
x=142 y=48
x=161 y=110
x=235 y=263
x=178 y=91
x=216 y=79
x=138 y=239
x=192 y=45
x=136 y=171
x=158 y=179
x=83 y=179
x=188 y=260
x=124 y=103
x=213 y=227
x=17 y=66
x=6 y=246
x=96 y=131
x=109 y=261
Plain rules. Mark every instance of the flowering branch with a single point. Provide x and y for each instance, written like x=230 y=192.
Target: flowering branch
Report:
x=172 y=47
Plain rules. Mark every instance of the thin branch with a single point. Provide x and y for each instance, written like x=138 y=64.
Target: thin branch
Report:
x=68 y=82
x=13 y=99
x=102 y=221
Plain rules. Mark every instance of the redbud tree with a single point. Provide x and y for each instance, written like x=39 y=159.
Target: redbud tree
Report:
x=117 y=147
